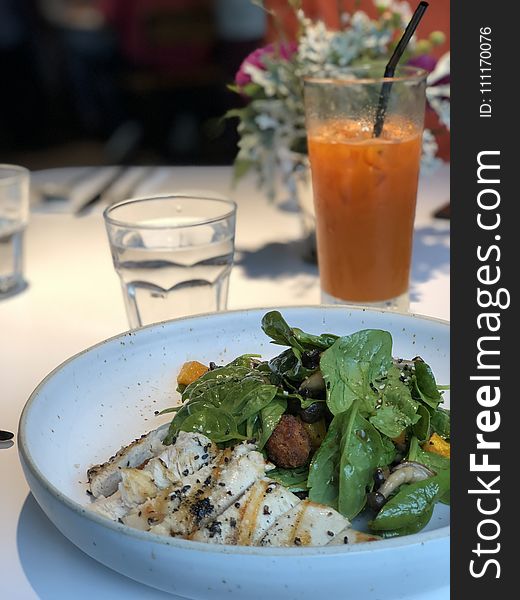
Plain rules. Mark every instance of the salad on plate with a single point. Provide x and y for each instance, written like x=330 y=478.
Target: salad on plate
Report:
x=333 y=441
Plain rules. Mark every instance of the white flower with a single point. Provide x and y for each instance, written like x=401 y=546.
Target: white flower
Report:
x=260 y=77
x=266 y=122
x=272 y=127
x=442 y=69
x=401 y=8
x=429 y=160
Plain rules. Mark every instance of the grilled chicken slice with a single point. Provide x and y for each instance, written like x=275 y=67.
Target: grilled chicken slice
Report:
x=187 y=455
x=166 y=501
x=105 y=478
x=233 y=472
x=245 y=522
x=352 y=536
x=134 y=488
x=192 y=489
x=307 y=524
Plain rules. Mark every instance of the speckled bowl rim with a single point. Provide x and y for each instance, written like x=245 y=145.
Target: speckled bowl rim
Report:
x=410 y=541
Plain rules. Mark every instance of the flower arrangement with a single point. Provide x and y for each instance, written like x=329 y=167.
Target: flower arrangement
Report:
x=271 y=125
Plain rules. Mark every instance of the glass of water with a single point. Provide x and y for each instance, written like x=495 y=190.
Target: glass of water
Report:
x=14 y=214
x=173 y=254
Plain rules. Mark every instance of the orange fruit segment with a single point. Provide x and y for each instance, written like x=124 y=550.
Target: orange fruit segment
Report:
x=437 y=445
x=190 y=372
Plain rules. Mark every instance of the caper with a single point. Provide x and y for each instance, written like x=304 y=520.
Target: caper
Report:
x=314 y=412
x=379 y=478
x=376 y=501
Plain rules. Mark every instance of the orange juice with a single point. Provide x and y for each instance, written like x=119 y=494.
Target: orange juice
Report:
x=364 y=193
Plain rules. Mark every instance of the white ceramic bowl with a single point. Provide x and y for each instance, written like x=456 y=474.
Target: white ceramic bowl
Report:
x=106 y=396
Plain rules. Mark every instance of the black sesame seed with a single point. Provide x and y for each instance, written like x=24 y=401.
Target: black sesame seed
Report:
x=214 y=529
x=237 y=504
x=345 y=540
x=330 y=533
x=185 y=473
x=297 y=541
x=267 y=511
x=201 y=508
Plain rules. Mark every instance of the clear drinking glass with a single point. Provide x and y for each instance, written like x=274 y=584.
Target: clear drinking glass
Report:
x=365 y=185
x=173 y=254
x=14 y=215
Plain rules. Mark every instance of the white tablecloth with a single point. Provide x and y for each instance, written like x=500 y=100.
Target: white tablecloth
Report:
x=74 y=300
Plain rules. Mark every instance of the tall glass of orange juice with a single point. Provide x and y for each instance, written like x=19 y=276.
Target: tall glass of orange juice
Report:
x=364 y=183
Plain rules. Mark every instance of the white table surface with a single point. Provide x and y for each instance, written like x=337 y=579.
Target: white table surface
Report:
x=74 y=300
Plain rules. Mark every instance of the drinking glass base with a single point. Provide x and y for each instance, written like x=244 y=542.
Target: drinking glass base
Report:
x=11 y=287
x=401 y=303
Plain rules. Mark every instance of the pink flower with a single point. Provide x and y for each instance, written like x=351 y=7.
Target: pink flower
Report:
x=257 y=57
x=424 y=61
x=428 y=63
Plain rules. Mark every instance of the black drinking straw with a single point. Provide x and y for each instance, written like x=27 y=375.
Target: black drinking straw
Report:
x=392 y=64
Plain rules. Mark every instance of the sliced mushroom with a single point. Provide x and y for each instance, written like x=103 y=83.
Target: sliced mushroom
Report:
x=405 y=472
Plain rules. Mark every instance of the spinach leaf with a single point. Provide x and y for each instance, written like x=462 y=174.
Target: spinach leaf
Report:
x=211 y=380
x=351 y=367
x=440 y=422
x=422 y=428
x=295 y=480
x=223 y=404
x=275 y=326
x=270 y=416
x=362 y=451
x=245 y=360
x=310 y=341
x=323 y=481
x=215 y=423
x=412 y=504
x=433 y=461
x=424 y=385
x=413 y=449
x=396 y=410
x=389 y=452
x=251 y=426
x=414 y=527
x=255 y=397
x=287 y=369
